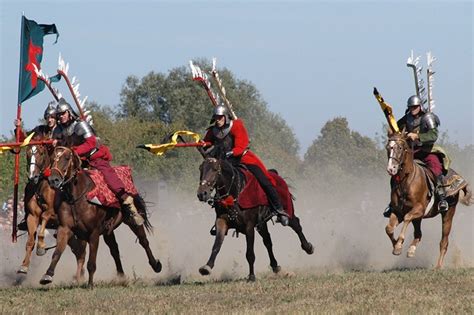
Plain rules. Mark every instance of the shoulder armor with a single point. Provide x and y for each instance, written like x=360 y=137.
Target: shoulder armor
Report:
x=83 y=129
x=429 y=121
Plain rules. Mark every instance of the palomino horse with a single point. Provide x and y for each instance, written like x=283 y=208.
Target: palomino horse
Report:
x=39 y=204
x=229 y=181
x=410 y=197
x=85 y=220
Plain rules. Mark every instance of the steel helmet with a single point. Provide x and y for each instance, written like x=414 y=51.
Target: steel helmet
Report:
x=64 y=106
x=50 y=110
x=414 y=100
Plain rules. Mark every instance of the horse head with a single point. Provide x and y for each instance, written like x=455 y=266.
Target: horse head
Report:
x=64 y=166
x=210 y=170
x=397 y=147
x=37 y=162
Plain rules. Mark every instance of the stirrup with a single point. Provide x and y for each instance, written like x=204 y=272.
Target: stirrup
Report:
x=213 y=230
x=22 y=226
x=283 y=220
x=387 y=212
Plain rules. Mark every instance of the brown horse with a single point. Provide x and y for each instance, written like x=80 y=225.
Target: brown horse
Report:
x=39 y=204
x=227 y=180
x=87 y=221
x=411 y=194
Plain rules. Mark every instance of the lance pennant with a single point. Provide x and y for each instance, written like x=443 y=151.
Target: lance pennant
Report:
x=33 y=52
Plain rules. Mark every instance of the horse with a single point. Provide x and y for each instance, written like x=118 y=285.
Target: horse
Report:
x=39 y=204
x=77 y=216
x=228 y=181
x=410 y=197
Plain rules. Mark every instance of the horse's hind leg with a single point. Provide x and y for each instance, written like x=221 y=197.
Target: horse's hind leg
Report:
x=294 y=223
x=221 y=230
x=416 y=238
x=250 y=254
x=32 y=222
x=114 y=251
x=263 y=231
x=446 y=229
x=141 y=234
x=64 y=234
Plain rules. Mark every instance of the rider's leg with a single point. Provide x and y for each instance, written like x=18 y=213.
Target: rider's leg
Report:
x=118 y=188
x=434 y=164
x=389 y=209
x=271 y=192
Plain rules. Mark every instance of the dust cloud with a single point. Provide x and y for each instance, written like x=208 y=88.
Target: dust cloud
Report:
x=348 y=233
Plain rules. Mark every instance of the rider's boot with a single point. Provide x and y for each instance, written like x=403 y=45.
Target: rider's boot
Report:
x=127 y=201
x=441 y=191
x=282 y=216
x=388 y=211
x=23 y=226
x=213 y=230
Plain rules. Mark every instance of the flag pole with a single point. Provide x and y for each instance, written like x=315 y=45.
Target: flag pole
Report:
x=16 y=175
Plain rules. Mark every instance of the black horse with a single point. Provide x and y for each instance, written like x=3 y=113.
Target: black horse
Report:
x=228 y=182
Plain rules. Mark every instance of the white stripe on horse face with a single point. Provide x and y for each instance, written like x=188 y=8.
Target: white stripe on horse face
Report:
x=392 y=166
x=32 y=162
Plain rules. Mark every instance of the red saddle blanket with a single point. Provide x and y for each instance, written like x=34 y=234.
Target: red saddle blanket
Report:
x=253 y=195
x=101 y=193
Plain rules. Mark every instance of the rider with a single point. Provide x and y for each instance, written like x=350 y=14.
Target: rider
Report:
x=46 y=130
x=422 y=128
x=81 y=137
x=231 y=141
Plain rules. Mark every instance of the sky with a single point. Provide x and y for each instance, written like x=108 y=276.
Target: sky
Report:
x=312 y=61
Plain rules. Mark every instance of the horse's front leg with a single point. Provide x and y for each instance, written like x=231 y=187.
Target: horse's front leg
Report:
x=45 y=217
x=32 y=222
x=267 y=241
x=250 y=254
x=92 y=261
x=64 y=234
x=415 y=213
x=221 y=230
x=78 y=248
x=390 y=228
x=416 y=238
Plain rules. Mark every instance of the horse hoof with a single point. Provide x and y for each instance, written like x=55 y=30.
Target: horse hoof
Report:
x=411 y=252
x=205 y=270
x=23 y=270
x=276 y=269
x=308 y=248
x=40 y=251
x=397 y=251
x=251 y=278
x=157 y=267
x=46 y=279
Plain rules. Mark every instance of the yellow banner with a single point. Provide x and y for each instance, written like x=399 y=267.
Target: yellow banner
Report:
x=160 y=149
x=387 y=110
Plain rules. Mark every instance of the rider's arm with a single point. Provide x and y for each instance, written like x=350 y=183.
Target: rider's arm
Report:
x=85 y=148
x=209 y=136
x=241 y=138
x=429 y=137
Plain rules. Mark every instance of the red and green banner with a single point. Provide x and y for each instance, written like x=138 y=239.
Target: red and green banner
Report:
x=31 y=54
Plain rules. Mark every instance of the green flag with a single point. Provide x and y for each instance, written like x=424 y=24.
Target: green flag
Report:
x=31 y=53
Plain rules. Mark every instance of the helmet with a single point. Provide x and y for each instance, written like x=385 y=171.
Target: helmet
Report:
x=64 y=106
x=221 y=110
x=414 y=100
x=50 y=110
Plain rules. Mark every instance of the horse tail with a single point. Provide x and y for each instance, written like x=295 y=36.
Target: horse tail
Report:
x=142 y=209
x=467 y=199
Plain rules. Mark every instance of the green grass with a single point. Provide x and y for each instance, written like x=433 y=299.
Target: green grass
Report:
x=391 y=292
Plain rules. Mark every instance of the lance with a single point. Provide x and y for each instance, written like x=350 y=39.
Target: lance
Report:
x=387 y=110
x=201 y=77
x=221 y=89
x=160 y=149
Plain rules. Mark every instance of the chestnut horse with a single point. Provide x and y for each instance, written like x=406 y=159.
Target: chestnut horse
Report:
x=88 y=221
x=410 y=197
x=227 y=180
x=39 y=204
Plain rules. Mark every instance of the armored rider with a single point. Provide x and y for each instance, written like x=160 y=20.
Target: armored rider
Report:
x=79 y=135
x=422 y=128
x=231 y=141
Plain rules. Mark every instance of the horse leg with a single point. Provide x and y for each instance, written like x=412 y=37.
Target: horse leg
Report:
x=446 y=229
x=416 y=213
x=32 y=223
x=78 y=248
x=416 y=238
x=91 y=262
x=294 y=223
x=250 y=254
x=114 y=251
x=263 y=231
x=141 y=234
x=41 y=248
x=221 y=230
x=390 y=228
x=64 y=234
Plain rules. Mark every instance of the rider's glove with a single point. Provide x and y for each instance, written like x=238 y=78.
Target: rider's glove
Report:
x=229 y=154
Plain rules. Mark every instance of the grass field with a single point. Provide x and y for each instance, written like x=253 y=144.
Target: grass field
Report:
x=391 y=292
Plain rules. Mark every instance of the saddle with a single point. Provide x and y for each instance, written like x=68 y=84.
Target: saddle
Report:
x=452 y=181
x=101 y=194
x=252 y=195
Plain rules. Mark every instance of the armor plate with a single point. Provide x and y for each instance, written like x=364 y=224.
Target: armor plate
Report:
x=429 y=121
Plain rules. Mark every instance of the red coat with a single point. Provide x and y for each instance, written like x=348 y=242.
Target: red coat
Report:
x=90 y=144
x=241 y=143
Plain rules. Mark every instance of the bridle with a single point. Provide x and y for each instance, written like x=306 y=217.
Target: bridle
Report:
x=69 y=166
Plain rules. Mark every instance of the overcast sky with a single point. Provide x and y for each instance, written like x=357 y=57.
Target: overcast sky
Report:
x=311 y=61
